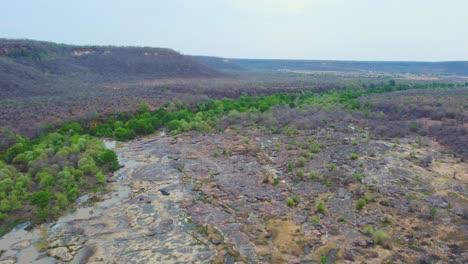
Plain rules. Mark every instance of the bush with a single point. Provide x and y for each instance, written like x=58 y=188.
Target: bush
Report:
x=354 y=156
x=72 y=127
x=301 y=162
x=331 y=167
x=314 y=148
x=380 y=237
x=434 y=212
x=357 y=176
x=368 y=230
x=321 y=208
x=361 y=203
x=122 y=134
x=40 y=199
x=300 y=173
x=109 y=158
x=292 y=201
x=290 y=167
x=100 y=177
x=276 y=181
x=323 y=260
x=313 y=175
x=143 y=108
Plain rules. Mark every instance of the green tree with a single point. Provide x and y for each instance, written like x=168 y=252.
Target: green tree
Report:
x=72 y=127
x=100 y=177
x=122 y=134
x=143 y=108
x=40 y=199
x=87 y=165
x=5 y=205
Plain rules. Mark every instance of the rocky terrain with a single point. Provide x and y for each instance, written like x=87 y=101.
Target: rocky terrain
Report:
x=318 y=195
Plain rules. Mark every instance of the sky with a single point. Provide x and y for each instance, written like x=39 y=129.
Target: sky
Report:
x=386 y=30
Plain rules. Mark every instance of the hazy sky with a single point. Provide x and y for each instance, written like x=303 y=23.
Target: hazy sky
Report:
x=429 y=30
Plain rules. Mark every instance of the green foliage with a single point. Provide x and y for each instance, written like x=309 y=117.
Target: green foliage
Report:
x=122 y=134
x=87 y=165
x=380 y=237
x=358 y=176
x=301 y=162
x=323 y=260
x=315 y=219
x=434 y=212
x=73 y=127
x=354 y=156
x=276 y=181
x=368 y=230
x=100 y=177
x=64 y=160
x=51 y=170
x=107 y=158
x=313 y=174
x=314 y=147
x=292 y=201
x=361 y=203
x=300 y=173
x=321 y=208
x=143 y=108
x=41 y=199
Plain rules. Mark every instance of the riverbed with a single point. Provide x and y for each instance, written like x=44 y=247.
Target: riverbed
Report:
x=138 y=219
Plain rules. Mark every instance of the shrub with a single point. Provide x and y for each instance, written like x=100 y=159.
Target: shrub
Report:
x=276 y=181
x=290 y=167
x=74 y=127
x=290 y=202
x=368 y=230
x=43 y=213
x=100 y=177
x=40 y=199
x=354 y=156
x=107 y=156
x=323 y=260
x=369 y=197
x=87 y=165
x=315 y=219
x=143 y=108
x=380 y=237
x=331 y=167
x=300 y=173
x=433 y=212
x=314 y=148
x=357 y=176
x=122 y=134
x=313 y=175
x=301 y=162
x=321 y=208
x=361 y=203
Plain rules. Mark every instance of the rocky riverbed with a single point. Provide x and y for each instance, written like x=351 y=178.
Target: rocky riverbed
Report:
x=233 y=197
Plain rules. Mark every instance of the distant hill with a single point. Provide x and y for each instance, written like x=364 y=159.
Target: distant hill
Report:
x=30 y=67
x=431 y=68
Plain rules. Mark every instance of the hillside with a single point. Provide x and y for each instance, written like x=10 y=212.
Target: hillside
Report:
x=397 y=67
x=39 y=68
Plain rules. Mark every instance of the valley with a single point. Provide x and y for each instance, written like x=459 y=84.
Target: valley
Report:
x=145 y=155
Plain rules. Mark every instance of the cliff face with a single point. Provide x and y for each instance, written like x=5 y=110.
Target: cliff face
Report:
x=35 y=67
